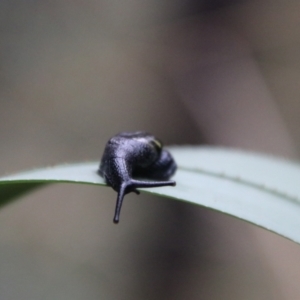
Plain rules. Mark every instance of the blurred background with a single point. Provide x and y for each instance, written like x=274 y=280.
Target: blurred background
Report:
x=74 y=73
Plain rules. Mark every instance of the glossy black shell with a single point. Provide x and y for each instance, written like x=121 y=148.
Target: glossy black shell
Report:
x=131 y=155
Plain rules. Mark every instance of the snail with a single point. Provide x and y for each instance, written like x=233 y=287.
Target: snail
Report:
x=131 y=155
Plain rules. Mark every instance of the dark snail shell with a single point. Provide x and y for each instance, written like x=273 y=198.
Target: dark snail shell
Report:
x=131 y=155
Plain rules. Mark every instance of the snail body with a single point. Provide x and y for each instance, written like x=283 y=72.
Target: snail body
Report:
x=131 y=155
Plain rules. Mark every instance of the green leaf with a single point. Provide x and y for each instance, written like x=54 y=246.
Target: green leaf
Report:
x=262 y=190
x=15 y=185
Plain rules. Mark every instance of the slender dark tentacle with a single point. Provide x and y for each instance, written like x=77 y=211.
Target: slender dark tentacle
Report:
x=131 y=186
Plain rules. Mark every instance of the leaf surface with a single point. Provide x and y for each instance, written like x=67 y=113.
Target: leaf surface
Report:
x=258 y=189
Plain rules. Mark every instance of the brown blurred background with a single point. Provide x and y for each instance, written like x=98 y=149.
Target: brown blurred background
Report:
x=74 y=73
